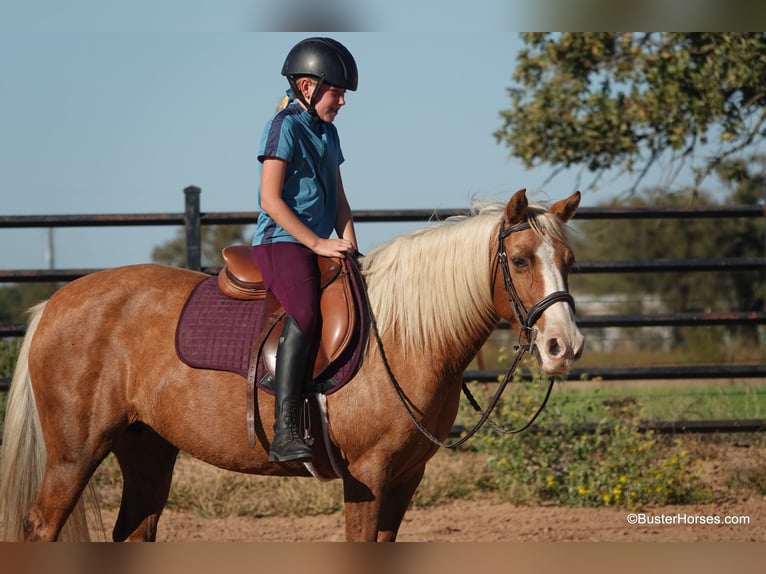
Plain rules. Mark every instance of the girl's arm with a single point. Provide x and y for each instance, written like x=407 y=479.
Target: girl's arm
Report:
x=272 y=179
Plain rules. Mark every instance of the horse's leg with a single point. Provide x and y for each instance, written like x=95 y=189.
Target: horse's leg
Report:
x=71 y=457
x=395 y=505
x=64 y=480
x=374 y=507
x=147 y=462
x=362 y=508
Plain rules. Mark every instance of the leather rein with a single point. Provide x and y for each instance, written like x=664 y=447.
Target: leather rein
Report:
x=526 y=319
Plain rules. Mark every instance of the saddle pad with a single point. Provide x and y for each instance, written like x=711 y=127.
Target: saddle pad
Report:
x=216 y=331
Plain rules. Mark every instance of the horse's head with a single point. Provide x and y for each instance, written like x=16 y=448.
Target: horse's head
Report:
x=531 y=262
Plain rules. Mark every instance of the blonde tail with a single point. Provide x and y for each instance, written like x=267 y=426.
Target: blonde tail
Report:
x=22 y=459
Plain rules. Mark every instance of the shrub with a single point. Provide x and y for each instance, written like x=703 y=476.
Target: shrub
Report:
x=610 y=464
x=9 y=350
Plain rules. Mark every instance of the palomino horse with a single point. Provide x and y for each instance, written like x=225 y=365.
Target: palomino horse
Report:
x=98 y=373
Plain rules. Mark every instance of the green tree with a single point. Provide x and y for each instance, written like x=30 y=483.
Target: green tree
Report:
x=214 y=239
x=16 y=299
x=604 y=101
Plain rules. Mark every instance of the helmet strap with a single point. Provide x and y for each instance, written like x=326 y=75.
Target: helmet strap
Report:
x=299 y=95
x=314 y=94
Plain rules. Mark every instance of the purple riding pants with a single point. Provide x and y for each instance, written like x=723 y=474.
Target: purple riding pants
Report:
x=291 y=273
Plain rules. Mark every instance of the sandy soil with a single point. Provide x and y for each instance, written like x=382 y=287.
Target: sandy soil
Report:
x=488 y=520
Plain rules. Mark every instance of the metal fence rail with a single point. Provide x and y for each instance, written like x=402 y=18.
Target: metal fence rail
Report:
x=192 y=219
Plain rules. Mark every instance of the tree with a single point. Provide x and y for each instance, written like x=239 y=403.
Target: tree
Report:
x=15 y=300
x=214 y=239
x=604 y=101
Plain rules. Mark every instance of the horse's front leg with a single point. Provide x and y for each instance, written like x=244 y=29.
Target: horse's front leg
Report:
x=375 y=506
x=363 y=500
x=395 y=504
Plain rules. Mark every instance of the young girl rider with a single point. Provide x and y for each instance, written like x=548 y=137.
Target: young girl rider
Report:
x=302 y=201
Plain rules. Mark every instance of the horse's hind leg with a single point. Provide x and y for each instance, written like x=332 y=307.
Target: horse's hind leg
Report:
x=62 y=485
x=147 y=462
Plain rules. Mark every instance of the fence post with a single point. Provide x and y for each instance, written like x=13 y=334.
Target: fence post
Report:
x=193 y=225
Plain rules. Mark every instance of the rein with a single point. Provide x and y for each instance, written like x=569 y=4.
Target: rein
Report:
x=526 y=320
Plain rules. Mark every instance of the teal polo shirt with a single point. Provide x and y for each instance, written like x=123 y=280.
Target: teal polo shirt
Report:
x=312 y=151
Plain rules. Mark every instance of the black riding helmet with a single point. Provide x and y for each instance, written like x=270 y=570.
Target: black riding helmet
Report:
x=325 y=59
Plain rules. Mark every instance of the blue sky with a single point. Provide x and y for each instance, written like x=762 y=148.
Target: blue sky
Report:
x=121 y=121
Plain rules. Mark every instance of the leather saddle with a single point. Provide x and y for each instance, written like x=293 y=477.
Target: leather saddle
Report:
x=240 y=278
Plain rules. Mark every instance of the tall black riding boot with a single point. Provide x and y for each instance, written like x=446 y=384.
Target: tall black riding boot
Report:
x=291 y=372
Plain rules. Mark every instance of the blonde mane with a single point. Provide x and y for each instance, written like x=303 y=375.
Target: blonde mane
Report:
x=430 y=289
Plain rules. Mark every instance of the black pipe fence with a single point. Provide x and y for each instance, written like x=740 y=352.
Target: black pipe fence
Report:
x=193 y=218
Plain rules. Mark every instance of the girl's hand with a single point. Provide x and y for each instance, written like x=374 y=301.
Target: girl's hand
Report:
x=334 y=247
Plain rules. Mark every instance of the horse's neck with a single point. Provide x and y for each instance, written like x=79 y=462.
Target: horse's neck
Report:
x=435 y=299
x=455 y=364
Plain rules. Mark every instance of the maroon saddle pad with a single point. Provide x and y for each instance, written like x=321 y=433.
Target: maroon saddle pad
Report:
x=218 y=332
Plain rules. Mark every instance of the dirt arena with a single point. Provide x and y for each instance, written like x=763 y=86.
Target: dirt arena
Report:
x=486 y=518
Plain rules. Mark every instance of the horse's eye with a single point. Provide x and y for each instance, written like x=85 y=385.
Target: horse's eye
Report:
x=519 y=262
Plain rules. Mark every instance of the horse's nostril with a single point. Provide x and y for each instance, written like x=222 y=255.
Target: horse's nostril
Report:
x=553 y=347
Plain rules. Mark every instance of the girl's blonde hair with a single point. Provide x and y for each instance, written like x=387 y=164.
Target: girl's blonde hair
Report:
x=286 y=99
x=283 y=102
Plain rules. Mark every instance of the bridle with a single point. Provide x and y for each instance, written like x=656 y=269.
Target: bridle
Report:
x=526 y=319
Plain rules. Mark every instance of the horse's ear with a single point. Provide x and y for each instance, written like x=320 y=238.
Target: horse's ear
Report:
x=516 y=208
x=566 y=208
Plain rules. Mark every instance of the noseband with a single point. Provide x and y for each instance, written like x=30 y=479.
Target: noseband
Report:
x=525 y=318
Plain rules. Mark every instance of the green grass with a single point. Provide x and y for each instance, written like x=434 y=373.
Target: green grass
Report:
x=664 y=401
x=594 y=401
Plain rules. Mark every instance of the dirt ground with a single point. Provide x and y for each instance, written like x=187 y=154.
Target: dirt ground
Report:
x=489 y=519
